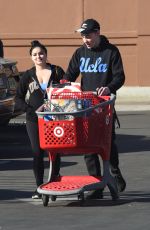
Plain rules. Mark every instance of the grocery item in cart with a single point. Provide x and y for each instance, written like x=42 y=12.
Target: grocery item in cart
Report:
x=73 y=87
x=61 y=104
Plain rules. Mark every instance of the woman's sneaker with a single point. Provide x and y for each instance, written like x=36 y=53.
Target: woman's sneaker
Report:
x=36 y=195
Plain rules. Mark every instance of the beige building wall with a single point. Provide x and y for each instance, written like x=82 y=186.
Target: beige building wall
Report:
x=125 y=23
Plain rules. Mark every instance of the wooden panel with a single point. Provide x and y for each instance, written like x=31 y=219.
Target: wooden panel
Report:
x=143 y=60
x=144 y=17
x=39 y=17
x=125 y=23
x=129 y=57
x=117 y=16
x=56 y=55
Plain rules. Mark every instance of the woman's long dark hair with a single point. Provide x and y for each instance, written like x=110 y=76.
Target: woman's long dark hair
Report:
x=36 y=43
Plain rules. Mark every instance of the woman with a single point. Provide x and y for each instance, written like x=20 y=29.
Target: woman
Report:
x=30 y=95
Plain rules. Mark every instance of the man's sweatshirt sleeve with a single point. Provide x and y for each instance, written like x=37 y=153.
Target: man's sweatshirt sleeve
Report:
x=73 y=70
x=118 y=76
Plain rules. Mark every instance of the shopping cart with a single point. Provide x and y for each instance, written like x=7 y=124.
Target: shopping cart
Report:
x=87 y=130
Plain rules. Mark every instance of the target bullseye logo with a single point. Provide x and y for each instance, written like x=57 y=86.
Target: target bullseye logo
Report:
x=58 y=131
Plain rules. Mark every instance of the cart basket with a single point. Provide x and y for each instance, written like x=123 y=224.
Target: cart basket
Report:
x=88 y=130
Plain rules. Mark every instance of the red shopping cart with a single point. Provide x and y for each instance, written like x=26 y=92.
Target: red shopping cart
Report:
x=74 y=132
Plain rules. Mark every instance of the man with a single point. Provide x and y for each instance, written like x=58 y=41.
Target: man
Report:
x=101 y=69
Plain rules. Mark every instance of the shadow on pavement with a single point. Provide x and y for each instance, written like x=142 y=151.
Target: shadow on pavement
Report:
x=7 y=194
x=127 y=198
x=22 y=149
x=132 y=143
x=14 y=142
x=9 y=165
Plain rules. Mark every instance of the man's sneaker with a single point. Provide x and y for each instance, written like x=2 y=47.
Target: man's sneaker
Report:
x=119 y=179
x=36 y=195
x=96 y=194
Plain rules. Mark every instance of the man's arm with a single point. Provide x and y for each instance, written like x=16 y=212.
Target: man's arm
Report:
x=118 y=76
x=73 y=69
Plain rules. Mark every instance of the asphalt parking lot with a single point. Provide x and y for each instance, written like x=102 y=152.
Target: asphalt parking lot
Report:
x=19 y=211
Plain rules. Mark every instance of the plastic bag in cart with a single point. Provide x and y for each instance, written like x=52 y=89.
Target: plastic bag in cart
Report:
x=60 y=104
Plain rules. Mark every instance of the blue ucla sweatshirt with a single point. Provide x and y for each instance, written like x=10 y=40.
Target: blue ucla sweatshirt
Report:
x=99 y=67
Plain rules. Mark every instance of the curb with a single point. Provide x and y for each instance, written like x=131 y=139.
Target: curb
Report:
x=131 y=107
x=134 y=94
x=133 y=99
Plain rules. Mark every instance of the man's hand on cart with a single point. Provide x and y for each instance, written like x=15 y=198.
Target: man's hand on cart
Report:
x=103 y=91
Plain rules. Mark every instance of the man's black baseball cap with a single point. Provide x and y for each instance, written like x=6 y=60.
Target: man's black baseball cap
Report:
x=89 y=26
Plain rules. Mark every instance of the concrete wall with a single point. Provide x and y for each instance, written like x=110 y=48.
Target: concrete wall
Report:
x=126 y=23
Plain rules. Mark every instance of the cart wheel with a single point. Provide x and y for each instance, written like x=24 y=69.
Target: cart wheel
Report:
x=53 y=197
x=81 y=198
x=45 y=199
